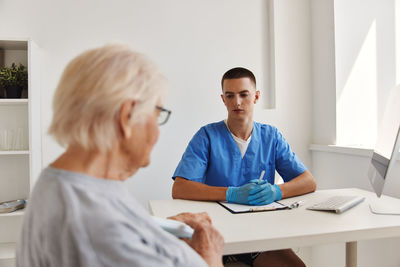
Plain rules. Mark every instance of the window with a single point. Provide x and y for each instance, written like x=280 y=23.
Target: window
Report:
x=367 y=66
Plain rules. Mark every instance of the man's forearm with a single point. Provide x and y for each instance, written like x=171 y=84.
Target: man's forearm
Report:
x=302 y=184
x=185 y=189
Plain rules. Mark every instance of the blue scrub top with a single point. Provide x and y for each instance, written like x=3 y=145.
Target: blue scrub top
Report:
x=213 y=157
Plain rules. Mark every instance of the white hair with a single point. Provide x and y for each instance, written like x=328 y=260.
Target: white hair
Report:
x=92 y=89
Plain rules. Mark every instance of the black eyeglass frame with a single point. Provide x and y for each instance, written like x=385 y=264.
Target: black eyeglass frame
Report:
x=161 y=109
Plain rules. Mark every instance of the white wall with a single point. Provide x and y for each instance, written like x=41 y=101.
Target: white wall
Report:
x=293 y=113
x=323 y=70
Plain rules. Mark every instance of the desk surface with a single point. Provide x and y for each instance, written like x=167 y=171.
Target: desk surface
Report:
x=299 y=227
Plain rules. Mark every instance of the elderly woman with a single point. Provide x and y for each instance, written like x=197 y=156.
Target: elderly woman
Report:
x=107 y=108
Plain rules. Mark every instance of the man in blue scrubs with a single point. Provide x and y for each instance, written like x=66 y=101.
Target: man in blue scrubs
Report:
x=224 y=161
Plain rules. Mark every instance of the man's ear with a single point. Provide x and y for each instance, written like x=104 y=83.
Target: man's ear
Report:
x=125 y=114
x=257 y=96
x=223 y=99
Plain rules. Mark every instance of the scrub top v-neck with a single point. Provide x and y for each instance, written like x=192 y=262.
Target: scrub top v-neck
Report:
x=212 y=157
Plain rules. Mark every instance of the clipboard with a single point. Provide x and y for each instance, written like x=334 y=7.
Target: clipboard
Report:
x=239 y=208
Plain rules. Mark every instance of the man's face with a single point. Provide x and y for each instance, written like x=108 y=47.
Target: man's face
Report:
x=239 y=97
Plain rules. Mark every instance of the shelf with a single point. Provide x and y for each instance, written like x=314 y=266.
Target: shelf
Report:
x=355 y=151
x=14 y=152
x=14 y=44
x=14 y=213
x=10 y=101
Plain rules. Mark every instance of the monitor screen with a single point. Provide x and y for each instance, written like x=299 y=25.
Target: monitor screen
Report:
x=388 y=143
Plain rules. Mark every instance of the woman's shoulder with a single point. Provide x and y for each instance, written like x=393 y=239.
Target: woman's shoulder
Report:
x=47 y=188
x=61 y=192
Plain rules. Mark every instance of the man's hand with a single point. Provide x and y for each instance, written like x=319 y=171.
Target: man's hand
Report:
x=241 y=194
x=268 y=194
x=206 y=240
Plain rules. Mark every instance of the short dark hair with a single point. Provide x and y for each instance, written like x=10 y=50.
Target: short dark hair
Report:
x=237 y=73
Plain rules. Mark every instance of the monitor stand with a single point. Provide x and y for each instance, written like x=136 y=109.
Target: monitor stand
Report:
x=385 y=205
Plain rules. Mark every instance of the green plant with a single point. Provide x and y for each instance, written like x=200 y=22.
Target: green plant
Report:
x=14 y=76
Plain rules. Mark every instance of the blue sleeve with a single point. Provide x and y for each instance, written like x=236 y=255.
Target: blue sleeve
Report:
x=194 y=162
x=287 y=164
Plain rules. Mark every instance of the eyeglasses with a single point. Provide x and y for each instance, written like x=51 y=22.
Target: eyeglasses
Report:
x=163 y=116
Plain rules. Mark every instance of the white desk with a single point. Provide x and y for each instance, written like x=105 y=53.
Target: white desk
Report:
x=299 y=227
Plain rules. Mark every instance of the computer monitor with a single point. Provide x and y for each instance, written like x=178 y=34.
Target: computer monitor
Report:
x=385 y=154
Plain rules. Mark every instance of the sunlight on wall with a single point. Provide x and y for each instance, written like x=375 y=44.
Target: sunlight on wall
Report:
x=357 y=120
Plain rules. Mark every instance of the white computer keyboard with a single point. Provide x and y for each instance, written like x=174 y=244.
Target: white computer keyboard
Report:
x=337 y=204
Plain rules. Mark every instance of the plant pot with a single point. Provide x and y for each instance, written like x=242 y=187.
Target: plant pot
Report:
x=2 y=92
x=13 y=91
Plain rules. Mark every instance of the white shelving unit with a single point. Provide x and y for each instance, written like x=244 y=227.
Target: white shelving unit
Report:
x=13 y=102
x=14 y=152
x=19 y=168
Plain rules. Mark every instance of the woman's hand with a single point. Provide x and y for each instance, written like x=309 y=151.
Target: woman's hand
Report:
x=206 y=240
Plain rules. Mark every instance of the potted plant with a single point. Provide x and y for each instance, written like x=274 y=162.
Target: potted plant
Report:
x=14 y=79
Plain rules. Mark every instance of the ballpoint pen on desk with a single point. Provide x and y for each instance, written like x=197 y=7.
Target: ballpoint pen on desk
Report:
x=262 y=208
x=295 y=204
x=291 y=206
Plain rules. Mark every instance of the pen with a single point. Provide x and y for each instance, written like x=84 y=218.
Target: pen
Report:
x=262 y=208
x=261 y=176
x=295 y=204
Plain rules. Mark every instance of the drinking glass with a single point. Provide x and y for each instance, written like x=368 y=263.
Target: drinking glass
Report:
x=18 y=143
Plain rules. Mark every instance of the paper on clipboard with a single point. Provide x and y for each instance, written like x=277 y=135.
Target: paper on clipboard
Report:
x=239 y=208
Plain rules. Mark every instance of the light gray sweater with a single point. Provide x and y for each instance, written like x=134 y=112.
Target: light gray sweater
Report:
x=76 y=220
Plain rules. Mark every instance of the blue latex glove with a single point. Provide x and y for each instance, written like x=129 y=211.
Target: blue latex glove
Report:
x=268 y=194
x=241 y=194
x=257 y=181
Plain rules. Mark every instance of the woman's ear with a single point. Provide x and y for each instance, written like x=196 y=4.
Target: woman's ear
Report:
x=125 y=114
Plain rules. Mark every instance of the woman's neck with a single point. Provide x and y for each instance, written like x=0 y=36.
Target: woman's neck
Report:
x=104 y=165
